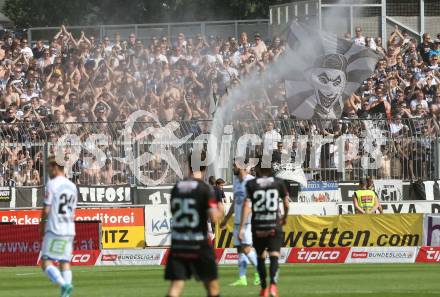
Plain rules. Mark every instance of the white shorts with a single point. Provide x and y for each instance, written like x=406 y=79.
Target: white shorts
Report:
x=57 y=248
x=247 y=240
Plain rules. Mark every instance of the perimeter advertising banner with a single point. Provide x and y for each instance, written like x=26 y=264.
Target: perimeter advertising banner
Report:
x=344 y=231
x=431 y=227
x=5 y=194
x=158 y=221
x=20 y=245
x=319 y=191
x=121 y=227
x=389 y=190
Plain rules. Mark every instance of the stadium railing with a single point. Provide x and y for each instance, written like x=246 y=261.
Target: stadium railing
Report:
x=331 y=150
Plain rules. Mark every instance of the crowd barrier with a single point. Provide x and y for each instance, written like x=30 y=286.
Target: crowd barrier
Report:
x=345 y=154
x=389 y=191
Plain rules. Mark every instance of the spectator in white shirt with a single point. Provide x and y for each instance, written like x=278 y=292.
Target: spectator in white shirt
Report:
x=214 y=56
x=270 y=138
x=420 y=99
x=359 y=39
x=396 y=125
x=157 y=56
x=25 y=49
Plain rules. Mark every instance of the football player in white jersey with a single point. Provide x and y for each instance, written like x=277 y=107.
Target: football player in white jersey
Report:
x=58 y=227
x=245 y=251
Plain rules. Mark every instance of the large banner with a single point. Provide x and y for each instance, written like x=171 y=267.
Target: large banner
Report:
x=20 y=244
x=105 y=195
x=344 y=231
x=319 y=191
x=121 y=227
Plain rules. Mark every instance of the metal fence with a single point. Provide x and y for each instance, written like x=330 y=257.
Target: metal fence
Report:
x=376 y=17
x=103 y=153
x=145 y=32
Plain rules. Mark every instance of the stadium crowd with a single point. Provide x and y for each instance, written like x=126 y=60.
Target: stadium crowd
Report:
x=81 y=79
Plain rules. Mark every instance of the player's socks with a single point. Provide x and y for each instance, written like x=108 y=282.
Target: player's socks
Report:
x=273 y=269
x=252 y=256
x=67 y=276
x=262 y=272
x=242 y=265
x=54 y=275
x=66 y=290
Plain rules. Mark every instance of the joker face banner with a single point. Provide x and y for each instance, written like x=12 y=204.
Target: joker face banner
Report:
x=325 y=72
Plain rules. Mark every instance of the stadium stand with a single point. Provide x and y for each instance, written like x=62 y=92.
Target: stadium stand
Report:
x=78 y=84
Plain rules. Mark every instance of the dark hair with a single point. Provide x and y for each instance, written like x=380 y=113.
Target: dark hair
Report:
x=220 y=181
x=211 y=180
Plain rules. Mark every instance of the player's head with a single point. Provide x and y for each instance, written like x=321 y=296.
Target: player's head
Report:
x=238 y=163
x=362 y=183
x=54 y=169
x=220 y=182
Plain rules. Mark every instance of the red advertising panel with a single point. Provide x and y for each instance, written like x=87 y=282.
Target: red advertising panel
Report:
x=429 y=254
x=20 y=244
x=318 y=255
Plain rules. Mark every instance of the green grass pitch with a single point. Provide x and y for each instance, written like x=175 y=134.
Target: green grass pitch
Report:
x=295 y=280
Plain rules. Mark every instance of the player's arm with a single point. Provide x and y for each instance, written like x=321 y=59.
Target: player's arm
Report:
x=245 y=212
x=46 y=208
x=228 y=216
x=286 y=209
x=44 y=216
x=214 y=213
x=356 y=204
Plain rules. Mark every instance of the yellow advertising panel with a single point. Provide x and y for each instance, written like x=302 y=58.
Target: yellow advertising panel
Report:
x=123 y=237
x=345 y=230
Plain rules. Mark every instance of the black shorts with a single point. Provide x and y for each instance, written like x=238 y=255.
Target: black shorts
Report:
x=181 y=267
x=270 y=243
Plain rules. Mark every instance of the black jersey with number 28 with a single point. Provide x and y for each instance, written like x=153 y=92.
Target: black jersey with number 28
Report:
x=190 y=201
x=265 y=194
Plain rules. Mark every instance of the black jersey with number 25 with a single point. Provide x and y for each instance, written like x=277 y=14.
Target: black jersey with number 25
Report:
x=265 y=194
x=190 y=201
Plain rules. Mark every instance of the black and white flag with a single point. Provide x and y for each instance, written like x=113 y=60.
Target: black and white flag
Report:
x=326 y=72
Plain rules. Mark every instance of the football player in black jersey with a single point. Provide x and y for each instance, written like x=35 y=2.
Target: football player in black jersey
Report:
x=193 y=202
x=263 y=201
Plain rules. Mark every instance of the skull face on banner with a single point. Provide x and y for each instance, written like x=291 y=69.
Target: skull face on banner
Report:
x=328 y=80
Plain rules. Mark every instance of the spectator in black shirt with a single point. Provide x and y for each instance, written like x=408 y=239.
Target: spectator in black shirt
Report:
x=425 y=47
